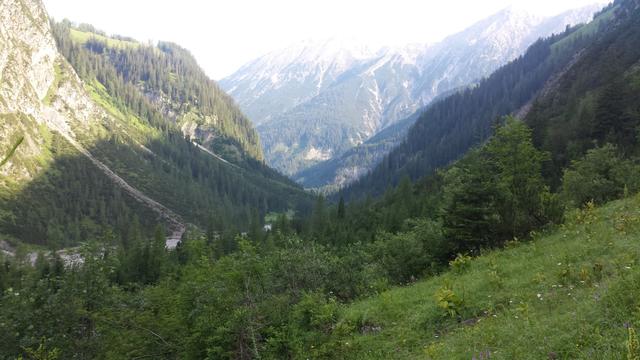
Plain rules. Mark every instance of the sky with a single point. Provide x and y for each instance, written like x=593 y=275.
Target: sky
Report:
x=225 y=34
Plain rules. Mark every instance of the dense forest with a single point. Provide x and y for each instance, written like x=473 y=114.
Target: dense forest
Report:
x=286 y=291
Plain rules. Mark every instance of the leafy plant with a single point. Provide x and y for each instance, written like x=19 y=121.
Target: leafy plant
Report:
x=42 y=353
x=460 y=263
x=449 y=301
x=633 y=345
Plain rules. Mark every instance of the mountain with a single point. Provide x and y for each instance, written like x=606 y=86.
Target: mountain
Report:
x=338 y=172
x=333 y=174
x=449 y=128
x=119 y=135
x=288 y=77
x=313 y=102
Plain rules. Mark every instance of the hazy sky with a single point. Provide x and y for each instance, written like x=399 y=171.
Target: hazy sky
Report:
x=225 y=34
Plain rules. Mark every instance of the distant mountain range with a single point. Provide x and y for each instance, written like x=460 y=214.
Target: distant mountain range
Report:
x=316 y=101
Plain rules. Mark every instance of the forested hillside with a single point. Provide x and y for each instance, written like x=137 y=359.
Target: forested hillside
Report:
x=166 y=77
x=139 y=122
x=334 y=174
x=450 y=128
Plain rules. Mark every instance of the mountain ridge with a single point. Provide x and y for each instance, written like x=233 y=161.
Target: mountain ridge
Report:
x=388 y=86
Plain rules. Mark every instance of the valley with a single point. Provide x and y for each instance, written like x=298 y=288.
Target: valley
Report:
x=476 y=197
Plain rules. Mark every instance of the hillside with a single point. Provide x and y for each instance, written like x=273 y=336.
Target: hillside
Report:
x=451 y=127
x=338 y=172
x=106 y=150
x=314 y=101
x=334 y=174
x=171 y=81
x=569 y=293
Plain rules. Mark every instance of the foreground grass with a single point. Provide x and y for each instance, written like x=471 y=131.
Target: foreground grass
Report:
x=569 y=294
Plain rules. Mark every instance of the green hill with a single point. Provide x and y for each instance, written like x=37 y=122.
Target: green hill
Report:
x=568 y=293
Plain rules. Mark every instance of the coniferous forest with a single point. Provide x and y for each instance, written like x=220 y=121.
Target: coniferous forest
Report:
x=506 y=225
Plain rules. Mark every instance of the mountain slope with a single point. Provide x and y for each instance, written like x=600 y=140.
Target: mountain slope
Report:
x=288 y=77
x=448 y=129
x=171 y=80
x=338 y=172
x=566 y=294
x=360 y=95
x=101 y=151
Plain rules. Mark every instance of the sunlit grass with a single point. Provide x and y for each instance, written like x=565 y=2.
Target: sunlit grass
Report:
x=565 y=295
x=82 y=37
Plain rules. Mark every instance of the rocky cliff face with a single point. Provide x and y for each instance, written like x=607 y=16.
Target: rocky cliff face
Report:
x=27 y=56
x=39 y=91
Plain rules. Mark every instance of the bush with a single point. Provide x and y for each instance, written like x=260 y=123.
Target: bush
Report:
x=406 y=256
x=601 y=175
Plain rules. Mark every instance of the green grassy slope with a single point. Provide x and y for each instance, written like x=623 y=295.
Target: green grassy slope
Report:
x=565 y=295
x=83 y=36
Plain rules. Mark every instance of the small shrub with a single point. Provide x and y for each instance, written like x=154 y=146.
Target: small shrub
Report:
x=523 y=309
x=539 y=278
x=460 y=263
x=449 y=301
x=432 y=350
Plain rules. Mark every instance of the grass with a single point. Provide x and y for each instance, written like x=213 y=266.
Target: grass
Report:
x=565 y=295
x=82 y=37
x=587 y=29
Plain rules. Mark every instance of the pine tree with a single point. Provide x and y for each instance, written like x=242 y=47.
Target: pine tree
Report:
x=471 y=219
x=341 y=213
